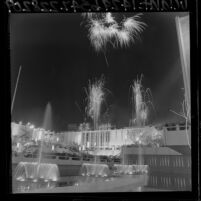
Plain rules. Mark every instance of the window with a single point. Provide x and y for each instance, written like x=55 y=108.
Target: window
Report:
x=175 y=161
x=166 y=181
x=180 y=165
x=87 y=137
x=184 y=181
x=182 y=162
x=107 y=136
x=101 y=139
x=83 y=138
x=169 y=180
x=178 y=182
x=92 y=138
x=181 y=180
x=171 y=128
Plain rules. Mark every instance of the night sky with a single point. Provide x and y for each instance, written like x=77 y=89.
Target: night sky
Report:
x=58 y=61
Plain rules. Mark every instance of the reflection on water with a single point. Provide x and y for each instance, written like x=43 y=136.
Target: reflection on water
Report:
x=28 y=185
x=155 y=183
x=179 y=182
x=78 y=180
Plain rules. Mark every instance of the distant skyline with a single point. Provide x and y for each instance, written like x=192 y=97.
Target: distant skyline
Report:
x=58 y=61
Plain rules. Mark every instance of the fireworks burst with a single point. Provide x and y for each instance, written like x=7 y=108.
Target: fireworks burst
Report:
x=109 y=18
x=132 y=24
x=104 y=29
x=95 y=97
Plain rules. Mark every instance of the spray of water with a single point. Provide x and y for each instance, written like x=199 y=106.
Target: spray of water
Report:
x=46 y=125
x=95 y=97
x=141 y=100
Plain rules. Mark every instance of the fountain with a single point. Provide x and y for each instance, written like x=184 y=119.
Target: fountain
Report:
x=120 y=169
x=139 y=116
x=38 y=170
x=141 y=110
x=97 y=170
x=95 y=97
x=27 y=170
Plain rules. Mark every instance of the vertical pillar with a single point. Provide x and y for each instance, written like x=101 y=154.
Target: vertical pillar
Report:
x=104 y=139
x=182 y=24
x=89 y=139
x=99 y=139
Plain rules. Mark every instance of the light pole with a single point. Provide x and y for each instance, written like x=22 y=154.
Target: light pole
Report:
x=13 y=100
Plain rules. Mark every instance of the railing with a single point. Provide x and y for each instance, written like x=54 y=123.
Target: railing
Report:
x=103 y=160
x=51 y=156
x=65 y=158
x=87 y=159
x=76 y=158
x=177 y=127
x=117 y=161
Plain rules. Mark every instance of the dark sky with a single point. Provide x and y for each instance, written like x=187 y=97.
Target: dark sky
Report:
x=58 y=60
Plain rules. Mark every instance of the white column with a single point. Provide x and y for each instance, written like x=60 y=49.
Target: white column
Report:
x=183 y=32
